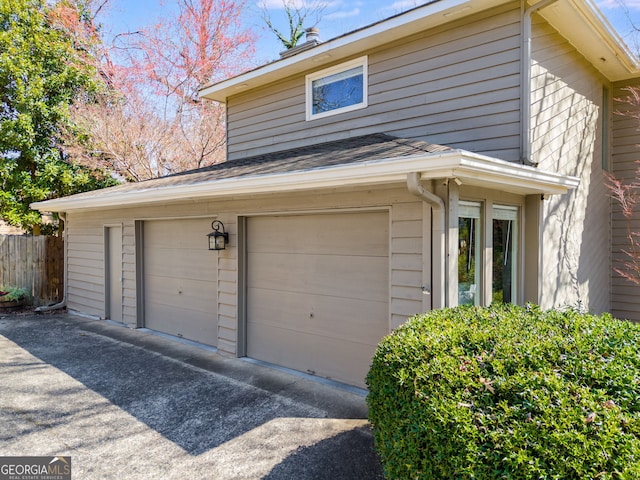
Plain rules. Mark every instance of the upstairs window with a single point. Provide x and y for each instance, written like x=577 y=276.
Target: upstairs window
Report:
x=337 y=89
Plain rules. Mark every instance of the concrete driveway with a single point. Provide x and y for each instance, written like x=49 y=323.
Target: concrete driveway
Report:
x=127 y=404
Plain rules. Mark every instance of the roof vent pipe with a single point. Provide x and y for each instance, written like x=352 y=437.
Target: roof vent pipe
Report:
x=312 y=39
x=313 y=35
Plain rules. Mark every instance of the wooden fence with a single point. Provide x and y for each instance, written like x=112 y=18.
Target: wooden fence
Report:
x=35 y=263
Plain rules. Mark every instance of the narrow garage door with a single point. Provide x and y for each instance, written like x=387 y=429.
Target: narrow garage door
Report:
x=180 y=279
x=317 y=291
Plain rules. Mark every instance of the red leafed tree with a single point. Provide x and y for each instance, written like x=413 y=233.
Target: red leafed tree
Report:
x=149 y=120
x=204 y=43
x=627 y=196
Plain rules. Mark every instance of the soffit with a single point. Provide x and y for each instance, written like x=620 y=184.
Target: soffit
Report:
x=584 y=26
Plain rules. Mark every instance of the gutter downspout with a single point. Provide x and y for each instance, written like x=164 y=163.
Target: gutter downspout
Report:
x=439 y=280
x=63 y=303
x=525 y=79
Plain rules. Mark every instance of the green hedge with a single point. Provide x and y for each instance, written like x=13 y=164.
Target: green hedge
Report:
x=508 y=392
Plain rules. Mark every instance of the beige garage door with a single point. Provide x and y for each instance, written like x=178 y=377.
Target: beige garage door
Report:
x=317 y=291
x=180 y=279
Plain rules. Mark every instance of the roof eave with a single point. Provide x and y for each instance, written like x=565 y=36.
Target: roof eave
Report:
x=468 y=168
x=583 y=24
x=580 y=21
x=414 y=21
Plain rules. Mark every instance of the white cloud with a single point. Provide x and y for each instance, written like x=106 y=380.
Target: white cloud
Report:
x=619 y=4
x=343 y=14
x=402 y=4
x=278 y=4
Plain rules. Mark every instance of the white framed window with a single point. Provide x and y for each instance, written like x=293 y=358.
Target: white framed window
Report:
x=504 y=286
x=469 y=253
x=338 y=89
x=488 y=263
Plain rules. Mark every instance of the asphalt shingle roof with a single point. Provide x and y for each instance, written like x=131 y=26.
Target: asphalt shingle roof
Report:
x=365 y=148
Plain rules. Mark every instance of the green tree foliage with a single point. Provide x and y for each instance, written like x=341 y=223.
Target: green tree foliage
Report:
x=42 y=70
x=297 y=14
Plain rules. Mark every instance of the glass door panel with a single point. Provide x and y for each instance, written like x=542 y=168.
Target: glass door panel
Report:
x=505 y=230
x=469 y=253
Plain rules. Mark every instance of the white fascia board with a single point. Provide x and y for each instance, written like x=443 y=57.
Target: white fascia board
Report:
x=483 y=171
x=579 y=20
x=583 y=24
x=428 y=16
x=469 y=168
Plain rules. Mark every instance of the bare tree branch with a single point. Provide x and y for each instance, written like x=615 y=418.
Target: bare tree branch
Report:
x=149 y=122
x=298 y=13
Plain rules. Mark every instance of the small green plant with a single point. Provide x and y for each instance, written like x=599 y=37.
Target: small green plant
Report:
x=508 y=392
x=13 y=294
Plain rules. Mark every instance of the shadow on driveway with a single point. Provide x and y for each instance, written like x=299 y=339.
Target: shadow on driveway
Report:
x=354 y=444
x=158 y=399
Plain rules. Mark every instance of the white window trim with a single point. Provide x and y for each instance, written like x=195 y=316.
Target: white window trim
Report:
x=357 y=62
x=514 y=215
x=487 y=206
x=474 y=209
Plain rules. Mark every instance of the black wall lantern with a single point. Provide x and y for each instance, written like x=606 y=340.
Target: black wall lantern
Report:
x=218 y=239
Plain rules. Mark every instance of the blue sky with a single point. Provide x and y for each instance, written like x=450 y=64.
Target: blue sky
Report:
x=339 y=16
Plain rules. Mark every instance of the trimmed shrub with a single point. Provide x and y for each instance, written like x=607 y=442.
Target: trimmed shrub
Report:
x=508 y=392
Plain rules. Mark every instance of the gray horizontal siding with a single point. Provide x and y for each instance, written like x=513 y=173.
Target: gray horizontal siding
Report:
x=457 y=85
x=129 y=304
x=86 y=267
x=406 y=260
x=625 y=296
